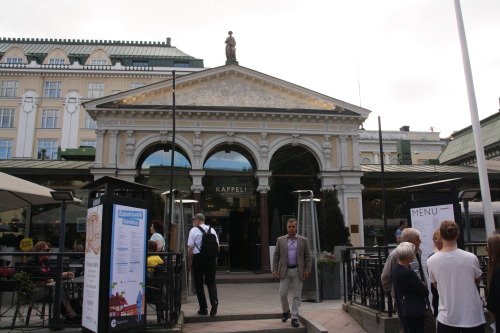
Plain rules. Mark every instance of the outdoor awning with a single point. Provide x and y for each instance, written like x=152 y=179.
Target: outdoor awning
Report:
x=17 y=193
x=476 y=208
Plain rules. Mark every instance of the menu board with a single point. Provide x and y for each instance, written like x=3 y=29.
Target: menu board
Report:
x=427 y=220
x=92 y=268
x=127 y=268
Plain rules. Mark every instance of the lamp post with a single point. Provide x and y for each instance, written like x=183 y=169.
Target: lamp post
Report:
x=62 y=196
x=467 y=196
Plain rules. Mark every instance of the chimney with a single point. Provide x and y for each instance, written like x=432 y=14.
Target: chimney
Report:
x=168 y=42
x=404 y=128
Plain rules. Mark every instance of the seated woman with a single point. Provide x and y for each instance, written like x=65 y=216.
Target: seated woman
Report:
x=153 y=259
x=43 y=276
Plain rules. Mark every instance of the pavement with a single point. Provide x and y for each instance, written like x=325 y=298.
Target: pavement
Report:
x=250 y=303
x=261 y=300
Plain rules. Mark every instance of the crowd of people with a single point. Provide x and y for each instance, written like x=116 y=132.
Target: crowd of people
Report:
x=454 y=275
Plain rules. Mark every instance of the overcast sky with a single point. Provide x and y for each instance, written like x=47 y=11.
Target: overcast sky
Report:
x=401 y=59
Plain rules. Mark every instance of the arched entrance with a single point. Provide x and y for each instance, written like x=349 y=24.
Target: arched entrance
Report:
x=154 y=168
x=294 y=168
x=229 y=202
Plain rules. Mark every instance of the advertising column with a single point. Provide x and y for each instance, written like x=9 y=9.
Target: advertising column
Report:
x=127 y=269
x=92 y=268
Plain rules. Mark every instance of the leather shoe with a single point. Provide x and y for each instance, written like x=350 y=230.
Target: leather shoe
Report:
x=295 y=322
x=203 y=312
x=285 y=315
x=213 y=310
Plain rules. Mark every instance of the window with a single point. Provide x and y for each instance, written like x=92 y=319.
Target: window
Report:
x=50 y=147
x=6 y=118
x=49 y=118
x=134 y=85
x=96 y=89
x=6 y=148
x=140 y=63
x=56 y=61
x=181 y=64
x=98 y=62
x=52 y=89
x=14 y=60
x=9 y=88
x=89 y=122
x=88 y=143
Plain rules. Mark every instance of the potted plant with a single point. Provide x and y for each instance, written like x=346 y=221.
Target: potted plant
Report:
x=7 y=279
x=333 y=236
x=329 y=275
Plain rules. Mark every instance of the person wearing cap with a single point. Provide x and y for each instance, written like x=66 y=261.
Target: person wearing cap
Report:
x=202 y=268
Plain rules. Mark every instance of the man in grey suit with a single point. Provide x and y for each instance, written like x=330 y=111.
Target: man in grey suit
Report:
x=292 y=264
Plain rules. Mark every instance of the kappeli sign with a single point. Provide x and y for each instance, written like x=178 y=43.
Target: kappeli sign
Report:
x=233 y=189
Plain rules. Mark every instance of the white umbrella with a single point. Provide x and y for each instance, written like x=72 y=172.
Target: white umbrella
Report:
x=17 y=193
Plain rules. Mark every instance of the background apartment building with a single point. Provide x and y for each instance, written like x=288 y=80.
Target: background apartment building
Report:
x=43 y=83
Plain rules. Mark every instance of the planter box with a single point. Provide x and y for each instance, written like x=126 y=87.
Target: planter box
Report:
x=330 y=285
x=8 y=285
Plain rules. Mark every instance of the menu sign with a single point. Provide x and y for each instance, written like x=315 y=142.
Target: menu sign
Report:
x=92 y=268
x=427 y=220
x=127 y=273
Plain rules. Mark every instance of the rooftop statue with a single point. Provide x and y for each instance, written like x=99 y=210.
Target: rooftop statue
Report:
x=230 y=48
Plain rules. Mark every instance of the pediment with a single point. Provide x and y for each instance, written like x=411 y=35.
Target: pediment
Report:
x=233 y=91
x=226 y=87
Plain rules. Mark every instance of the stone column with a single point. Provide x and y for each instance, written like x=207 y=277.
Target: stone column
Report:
x=99 y=147
x=376 y=159
x=27 y=121
x=343 y=153
x=355 y=152
x=263 y=188
x=387 y=158
x=197 y=187
x=112 y=148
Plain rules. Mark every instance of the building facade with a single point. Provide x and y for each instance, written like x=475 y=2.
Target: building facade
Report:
x=43 y=83
x=291 y=138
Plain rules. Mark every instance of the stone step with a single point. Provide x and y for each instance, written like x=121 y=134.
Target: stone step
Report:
x=247 y=323
x=243 y=326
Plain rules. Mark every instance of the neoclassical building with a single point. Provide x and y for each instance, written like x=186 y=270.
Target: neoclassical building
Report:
x=233 y=108
x=290 y=138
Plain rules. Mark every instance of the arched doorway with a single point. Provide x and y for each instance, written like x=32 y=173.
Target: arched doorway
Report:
x=293 y=168
x=154 y=168
x=229 y=202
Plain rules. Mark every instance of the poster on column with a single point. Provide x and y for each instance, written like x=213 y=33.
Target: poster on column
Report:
x=92 y=268
x=127 y=273
x=427 y=220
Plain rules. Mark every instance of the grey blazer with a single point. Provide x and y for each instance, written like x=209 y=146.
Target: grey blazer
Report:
x=280 y=259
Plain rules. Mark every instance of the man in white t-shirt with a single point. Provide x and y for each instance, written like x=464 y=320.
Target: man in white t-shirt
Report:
x=455 y=273
x=203 y=268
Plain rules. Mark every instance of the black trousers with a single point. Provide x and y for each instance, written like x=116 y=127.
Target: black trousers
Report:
x=204 y=269
x=442 y=328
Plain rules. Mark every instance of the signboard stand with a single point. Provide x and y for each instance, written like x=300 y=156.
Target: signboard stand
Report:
x=115 y=257
x=428 y=205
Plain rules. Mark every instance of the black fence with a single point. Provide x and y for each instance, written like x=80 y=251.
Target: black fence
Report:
x=362 y=268
x=27 y=301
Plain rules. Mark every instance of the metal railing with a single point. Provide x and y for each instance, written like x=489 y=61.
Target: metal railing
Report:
x=27 y=301
x=362 y=269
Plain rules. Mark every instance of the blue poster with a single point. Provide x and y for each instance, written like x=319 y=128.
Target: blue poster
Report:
x=128 y=274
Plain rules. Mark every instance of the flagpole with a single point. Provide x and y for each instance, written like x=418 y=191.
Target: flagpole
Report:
x=476 y=127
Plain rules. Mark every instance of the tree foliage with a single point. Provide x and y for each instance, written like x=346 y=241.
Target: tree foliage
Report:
x=332 y=229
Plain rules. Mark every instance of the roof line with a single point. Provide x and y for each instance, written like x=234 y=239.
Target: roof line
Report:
x=86 y=41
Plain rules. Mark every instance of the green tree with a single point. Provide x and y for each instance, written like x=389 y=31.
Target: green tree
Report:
x=332 y=229
x=156 y=207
